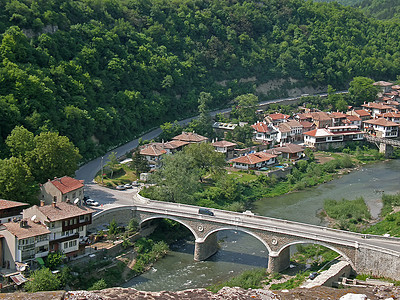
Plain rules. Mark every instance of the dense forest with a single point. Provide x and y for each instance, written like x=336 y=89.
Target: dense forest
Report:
x=103 y=71
x=381 y=9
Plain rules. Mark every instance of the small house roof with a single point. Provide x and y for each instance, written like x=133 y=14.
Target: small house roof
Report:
x=67 y=184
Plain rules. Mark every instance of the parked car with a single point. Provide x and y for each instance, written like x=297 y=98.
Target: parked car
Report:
x=205 y=211
x=120 y=187
x=128 y=186
x=135 y=183
x=91 y=202
x=313 y=275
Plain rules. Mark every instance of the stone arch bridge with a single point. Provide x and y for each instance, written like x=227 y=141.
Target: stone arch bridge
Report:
x=375 y=255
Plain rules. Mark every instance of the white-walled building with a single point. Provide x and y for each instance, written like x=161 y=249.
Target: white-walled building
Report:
x=61 y=189
x=382 y=128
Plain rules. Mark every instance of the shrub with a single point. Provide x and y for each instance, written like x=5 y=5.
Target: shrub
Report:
x=98 y=285
x=43 y=280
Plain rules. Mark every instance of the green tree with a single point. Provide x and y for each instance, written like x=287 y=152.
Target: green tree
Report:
x=169 y=130
x=98 y=285
x=204 y=122
x=113 y=227
x=243 y=134
x=245 y=108
x=177 y=180
x=133 y=225
x=20 y=141
x=139 y=163
x=53 y=156
x=205 y=159
x=54 y=259
x=112 y=163
x=362 y=90
x=42 y=280
x=17 y=182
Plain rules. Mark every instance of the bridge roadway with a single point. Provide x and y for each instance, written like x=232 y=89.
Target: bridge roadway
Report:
x=277 y=235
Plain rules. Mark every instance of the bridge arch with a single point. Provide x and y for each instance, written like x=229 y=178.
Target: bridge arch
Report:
x=173 y=219
x=299 y=242
x=241 y=230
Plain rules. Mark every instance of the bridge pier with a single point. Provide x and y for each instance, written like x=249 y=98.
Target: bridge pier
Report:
x=279 y=261
x=386 y=149
x=205 y=249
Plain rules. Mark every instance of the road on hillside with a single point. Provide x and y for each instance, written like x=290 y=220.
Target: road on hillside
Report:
x=105 y=196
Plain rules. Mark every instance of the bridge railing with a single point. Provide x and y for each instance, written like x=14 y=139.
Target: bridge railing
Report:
x=244 y=216
x=234 y=219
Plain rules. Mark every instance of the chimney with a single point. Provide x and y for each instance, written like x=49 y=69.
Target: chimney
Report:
x=23 y=223
x=41 y=203
x=67 y=201
x=53 y=204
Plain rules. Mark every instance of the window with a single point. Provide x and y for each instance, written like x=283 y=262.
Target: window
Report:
x=75 y=221
x=72 y=243
x=81 y=218
x=66 y=245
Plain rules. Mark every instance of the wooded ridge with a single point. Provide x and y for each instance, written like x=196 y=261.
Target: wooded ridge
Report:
x=108 y=70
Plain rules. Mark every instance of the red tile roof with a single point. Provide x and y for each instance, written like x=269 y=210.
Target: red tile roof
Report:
x=320 y=116
x=381 y=122
x=306 y=124
x=278 y=116
x=396 y=87
x=5 y=204
x=376 y=105
x=190 y=137
x=290 y=148
x=337 y=115
x=262 y=127
x=253 y=158
x=224 y=144
x=174 y=144
x=353 y=118
x=362 y=113
x=30 y=230
x=391 y=115
x=382 y=83
x=67 y=184
x=63 y=210
x=319 y=132
x=152 y=150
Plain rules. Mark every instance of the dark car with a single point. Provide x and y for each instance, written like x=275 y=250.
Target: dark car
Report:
x=313 y=275
x=205 y=211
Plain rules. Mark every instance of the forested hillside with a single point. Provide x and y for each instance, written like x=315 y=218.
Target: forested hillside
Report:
x=380 y=9
x=107 y=69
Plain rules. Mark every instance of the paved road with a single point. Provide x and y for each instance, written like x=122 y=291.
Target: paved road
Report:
x=88 y=171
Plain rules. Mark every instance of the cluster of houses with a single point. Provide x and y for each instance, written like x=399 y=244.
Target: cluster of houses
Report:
x=281 y=135
x=59 y=223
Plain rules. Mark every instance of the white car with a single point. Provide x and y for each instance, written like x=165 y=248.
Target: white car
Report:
x=91 y=202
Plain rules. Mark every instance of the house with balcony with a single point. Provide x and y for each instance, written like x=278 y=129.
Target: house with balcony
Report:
x=338 y=118
x=254 y=161
x=377 y=109
x=11 y=210
x=392 y=116
x=67 y=223
x=153 y=153
x=264 y=132
x=290 y=131
x=332 y=137
x=382 y=128
x=361 y=113
x=353 y=120
x=290 y=151
x=61 y=189
x=276 y=118
x=22 y=243
x=225 y=147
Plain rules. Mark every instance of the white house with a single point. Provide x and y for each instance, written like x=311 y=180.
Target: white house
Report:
x=382 y=128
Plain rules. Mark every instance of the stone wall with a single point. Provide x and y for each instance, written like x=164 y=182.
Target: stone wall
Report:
x=121 y=215
x=378 y=263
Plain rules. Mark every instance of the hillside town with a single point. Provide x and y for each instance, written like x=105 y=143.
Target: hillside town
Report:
x=59 y=223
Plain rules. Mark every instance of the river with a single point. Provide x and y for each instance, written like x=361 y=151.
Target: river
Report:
x=240 y=252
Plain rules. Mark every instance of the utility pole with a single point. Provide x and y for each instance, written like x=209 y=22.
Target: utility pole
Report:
x=102 y=170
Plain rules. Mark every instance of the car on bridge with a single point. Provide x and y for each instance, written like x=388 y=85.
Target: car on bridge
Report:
x=205 y=211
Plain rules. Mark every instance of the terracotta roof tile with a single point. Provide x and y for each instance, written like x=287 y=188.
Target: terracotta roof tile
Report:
x=290 y=148
x=224 y=144
x=278 y=116
x=30 y=230
x=5 y=204
x=63 y=210
x=320 y=132
x=67 y=184
x=353 y=118
x=381 y=122
x=362 y=113
x=262 y=127
x=190 y=137
x=382 y=83
x=337 y=114
x=152 y=149
x=376 y=105
x=253 y=158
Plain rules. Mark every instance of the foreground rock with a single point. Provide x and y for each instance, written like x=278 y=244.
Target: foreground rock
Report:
x=225 y=293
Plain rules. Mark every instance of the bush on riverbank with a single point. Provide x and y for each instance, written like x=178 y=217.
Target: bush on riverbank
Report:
x=390 y=225
x=389 y=201
x=250 y=279
x=348 y=214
